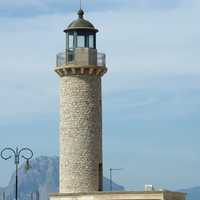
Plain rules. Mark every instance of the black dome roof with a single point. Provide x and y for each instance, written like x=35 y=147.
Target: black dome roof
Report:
x=81 y=23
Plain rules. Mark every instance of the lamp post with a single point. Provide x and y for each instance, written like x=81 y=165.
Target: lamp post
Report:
x=111 y=170
x=25 y=153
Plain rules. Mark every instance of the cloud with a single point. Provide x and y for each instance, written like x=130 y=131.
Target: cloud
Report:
x=144 y=50
x=24 y=8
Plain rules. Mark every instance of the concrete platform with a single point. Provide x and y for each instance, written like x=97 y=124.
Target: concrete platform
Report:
x=157 y=195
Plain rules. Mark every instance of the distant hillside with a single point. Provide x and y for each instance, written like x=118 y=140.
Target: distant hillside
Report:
x=42 y=178
x=1 y=191
x=192 y=193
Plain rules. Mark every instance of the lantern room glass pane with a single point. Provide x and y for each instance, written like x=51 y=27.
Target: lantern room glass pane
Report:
x=70 y=54
x=71 y=41
x=80 y=41
x=91 y=41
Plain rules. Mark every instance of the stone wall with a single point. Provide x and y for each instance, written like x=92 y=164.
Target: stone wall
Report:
x=80 y=133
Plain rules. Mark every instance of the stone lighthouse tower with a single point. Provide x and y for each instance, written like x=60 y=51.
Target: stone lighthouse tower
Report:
x=80 y=69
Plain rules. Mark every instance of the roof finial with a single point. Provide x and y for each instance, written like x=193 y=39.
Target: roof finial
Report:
x=80 y=12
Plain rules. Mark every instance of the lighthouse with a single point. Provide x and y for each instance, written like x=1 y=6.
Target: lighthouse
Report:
x=80 y=69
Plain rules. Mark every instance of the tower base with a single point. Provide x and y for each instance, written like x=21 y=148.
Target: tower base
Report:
x=157 y=195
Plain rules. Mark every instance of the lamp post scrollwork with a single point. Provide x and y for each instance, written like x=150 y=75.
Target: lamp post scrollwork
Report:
x=25 y=153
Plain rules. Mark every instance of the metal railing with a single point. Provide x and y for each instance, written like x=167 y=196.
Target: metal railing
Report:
x=101 y=59
x=61 y=59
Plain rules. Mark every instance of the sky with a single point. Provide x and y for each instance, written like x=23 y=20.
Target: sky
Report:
x=151 y=93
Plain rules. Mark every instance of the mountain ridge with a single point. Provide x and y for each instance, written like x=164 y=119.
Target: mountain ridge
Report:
x=193 y=193
x=43 y=177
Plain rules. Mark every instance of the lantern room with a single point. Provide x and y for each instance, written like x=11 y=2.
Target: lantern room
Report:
x=80 y=33
x=81 y=44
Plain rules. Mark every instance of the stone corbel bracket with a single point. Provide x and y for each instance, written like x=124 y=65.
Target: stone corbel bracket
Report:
x=68 y=70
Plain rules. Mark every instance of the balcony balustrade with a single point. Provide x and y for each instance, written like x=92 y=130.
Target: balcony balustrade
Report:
x=70 y=55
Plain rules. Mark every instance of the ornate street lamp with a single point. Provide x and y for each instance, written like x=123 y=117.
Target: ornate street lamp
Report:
x=25 y=153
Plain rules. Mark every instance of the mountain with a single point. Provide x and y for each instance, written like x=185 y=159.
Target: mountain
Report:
x=41 y=178
x=1 y=190
x=115 y=186
x=192 y=193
